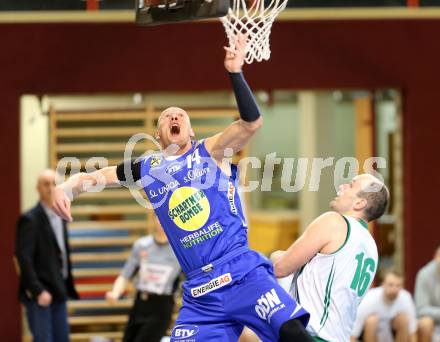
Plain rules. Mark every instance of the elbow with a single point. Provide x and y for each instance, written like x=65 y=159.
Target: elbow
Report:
x=280 y=270
x=279 y=264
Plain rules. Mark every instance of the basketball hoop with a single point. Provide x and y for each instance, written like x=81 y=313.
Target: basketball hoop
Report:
x=255 y=22
x=158 y=12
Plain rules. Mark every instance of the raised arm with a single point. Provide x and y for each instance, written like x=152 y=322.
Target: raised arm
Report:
x=238 y=134
x=322 y=235
x=79 y=183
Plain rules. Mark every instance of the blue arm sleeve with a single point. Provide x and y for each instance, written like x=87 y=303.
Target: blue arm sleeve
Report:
x=247 y=106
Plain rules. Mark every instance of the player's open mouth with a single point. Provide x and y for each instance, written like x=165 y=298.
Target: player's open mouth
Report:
x=175 y=129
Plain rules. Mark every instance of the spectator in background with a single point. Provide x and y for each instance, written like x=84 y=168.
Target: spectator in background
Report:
x=427 y=297
x=42 y=252
x=157 y=270
x=386 y=313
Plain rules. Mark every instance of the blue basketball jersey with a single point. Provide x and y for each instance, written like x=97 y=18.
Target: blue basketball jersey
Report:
x=197 y=204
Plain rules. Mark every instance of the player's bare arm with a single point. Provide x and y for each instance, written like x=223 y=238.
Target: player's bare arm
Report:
x=239 y=133
x=79 y=183
x=324 y=235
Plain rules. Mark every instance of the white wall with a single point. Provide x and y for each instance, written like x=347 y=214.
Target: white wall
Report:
x=386 y=119
x=34 y=148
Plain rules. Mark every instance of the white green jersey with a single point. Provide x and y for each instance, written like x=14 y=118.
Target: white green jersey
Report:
x=331 y=286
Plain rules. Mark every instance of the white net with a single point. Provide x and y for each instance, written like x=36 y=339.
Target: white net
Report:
x=255 y=22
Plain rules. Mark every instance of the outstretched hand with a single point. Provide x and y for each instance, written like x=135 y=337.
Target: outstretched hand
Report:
x=234 y=58
x=61 y=204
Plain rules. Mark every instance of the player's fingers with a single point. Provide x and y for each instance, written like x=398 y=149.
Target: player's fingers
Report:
x=239 y=44
x=230 y=52
x=240 y=49
x=56 y=208
x=240 y=38
x=61 y=210
x=68 y=209
x=241 y=41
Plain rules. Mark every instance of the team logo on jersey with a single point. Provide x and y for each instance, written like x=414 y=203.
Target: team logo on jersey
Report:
x=184 y=332
x=268 y=304
x=231 y=198
x=214 y=284
x=189 y=208
x=155 y=161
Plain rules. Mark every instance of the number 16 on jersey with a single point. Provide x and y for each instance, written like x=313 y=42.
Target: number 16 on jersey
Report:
x=365 y=270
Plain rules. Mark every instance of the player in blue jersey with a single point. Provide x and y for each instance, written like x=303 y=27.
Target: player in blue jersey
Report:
x=193 y=190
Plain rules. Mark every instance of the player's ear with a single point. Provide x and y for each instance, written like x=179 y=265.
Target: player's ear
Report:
x=157 y=135
x=360 y=204
x=191 y=133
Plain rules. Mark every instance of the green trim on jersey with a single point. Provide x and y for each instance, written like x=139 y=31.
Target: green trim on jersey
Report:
x=328 y=291
x=363 y=223
x=347 y=237
x=318 y=339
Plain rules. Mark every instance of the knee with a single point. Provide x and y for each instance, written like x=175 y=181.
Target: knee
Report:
x=372 y=322
x=401 y=322
x=293 y=330
x=426 y=325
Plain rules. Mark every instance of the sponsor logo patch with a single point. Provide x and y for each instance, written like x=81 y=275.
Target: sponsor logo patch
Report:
x=214 y=284
x=268 y=304
x=173 y=168
x=231 y=198
x=189 y=208
x=184 y=332
x=201 y=235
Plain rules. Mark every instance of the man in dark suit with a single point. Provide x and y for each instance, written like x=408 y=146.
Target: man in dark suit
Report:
x=43 y=256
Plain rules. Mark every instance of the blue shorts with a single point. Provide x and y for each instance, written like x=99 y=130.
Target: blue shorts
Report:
x=240 y=292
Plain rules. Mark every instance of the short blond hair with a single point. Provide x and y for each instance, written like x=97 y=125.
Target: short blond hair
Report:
x=377 y=196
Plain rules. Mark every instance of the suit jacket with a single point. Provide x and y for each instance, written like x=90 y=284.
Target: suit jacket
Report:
x=40 y=258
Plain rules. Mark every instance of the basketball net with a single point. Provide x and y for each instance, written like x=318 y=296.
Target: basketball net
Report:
x=255 y=22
